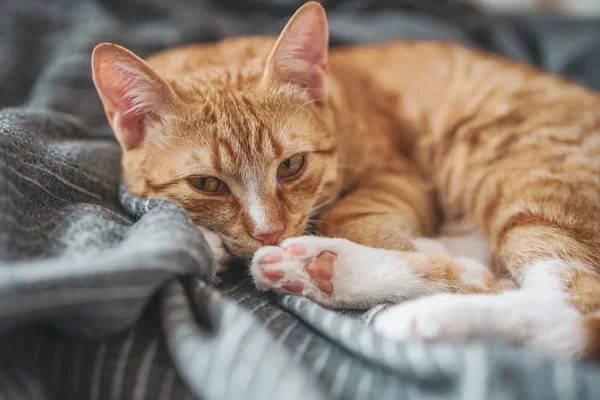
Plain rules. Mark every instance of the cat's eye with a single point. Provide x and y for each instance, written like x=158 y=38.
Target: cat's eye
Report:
x=208 y=184
x=291 y=166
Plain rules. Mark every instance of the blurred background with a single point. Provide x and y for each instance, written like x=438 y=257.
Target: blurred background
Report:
x=565 y=7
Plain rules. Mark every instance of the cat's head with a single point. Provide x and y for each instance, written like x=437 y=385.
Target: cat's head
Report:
x=246 y=148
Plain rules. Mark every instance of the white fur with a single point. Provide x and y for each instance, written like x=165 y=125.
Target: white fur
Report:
x=141 y=90
x=475 y=273
x=255 y=207
x=431 y=246
x=543 y=275
x=462 y=239
x=471 y=245
x=536 y=315
x=220 y=254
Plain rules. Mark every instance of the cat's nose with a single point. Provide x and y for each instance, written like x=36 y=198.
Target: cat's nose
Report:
x=269 y=238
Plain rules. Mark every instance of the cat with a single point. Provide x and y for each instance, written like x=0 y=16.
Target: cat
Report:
x=379 y=148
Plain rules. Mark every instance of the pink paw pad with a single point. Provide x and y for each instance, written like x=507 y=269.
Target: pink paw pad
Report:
x=273 y=274
x=271 y=258
x=296 y=249
x=321 y=271
x=294 y=287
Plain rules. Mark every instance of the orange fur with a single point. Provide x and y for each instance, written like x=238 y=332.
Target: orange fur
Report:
x=447 y=273
x=403 y=136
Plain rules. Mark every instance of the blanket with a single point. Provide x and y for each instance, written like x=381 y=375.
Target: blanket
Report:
x=104 y=295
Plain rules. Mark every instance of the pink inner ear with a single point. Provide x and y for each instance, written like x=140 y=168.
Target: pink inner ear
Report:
x=130 y=90
x=300 y=54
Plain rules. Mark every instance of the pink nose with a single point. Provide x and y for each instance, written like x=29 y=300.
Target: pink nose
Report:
x=269 y=238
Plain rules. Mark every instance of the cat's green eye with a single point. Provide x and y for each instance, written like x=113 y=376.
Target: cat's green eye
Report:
x=207 y=184
x=291 y=166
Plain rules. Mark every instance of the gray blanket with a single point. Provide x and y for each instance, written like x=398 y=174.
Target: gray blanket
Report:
x=107 y=296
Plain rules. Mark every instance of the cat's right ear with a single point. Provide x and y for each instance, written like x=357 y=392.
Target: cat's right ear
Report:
x=300 y=53
x=132 y=93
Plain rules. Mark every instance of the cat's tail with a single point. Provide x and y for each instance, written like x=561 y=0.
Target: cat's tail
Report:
x=591 y=326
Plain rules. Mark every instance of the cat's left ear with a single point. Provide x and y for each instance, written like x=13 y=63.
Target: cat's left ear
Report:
x=300 y=53
x=132 y=93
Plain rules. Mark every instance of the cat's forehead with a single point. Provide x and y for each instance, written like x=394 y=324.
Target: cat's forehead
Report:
x=239 y=135
x=246 y=131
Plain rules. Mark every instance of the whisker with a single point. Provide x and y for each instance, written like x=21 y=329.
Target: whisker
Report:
x=281 y=102
x=319 y=206
x=226 y=238
x=194 y=144
x=163 y=146
x=319 y=221
x=228 y=242
x=283 y=129
x=195 y=128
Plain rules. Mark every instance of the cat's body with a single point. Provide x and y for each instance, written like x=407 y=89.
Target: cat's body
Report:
x=382 y=144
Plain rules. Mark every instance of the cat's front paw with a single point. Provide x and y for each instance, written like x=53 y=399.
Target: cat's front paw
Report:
x=221 y=256
x=308 y=266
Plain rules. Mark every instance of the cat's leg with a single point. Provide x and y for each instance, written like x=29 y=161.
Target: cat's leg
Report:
x=396 y=209
x=542 y=220
x=537 y=315
x=341 y=274
x=387 y=209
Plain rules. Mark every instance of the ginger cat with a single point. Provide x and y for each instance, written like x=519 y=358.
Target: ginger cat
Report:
x=257 y=136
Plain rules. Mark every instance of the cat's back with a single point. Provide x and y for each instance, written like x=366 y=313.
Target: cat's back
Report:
x=229 y=52
x=452 y=78
x=422 y=70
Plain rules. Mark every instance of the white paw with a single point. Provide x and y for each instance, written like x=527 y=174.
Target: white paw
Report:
x=442 y=316
x=302 y=266
x=220 y=254
x=324 y=270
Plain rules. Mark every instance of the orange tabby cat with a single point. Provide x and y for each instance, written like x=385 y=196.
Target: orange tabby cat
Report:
x=256 y=136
